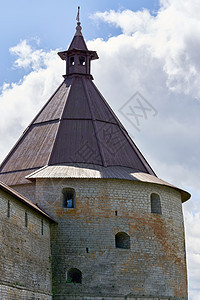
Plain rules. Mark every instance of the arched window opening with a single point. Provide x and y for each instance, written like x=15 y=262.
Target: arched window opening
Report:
x=72 y=61
x=122 y=240
x=155 y=204
x=68 y=198
x=82 y=60
x=74 y=275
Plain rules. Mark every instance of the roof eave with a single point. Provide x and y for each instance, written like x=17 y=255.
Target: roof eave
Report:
x=137 y=176
x=63 y=54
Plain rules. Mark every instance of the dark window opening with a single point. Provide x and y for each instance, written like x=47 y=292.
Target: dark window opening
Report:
x=116 y=213
x=72 y=62
x=68 y=196
x=8 y=209
x=87 y=250
x=42 y=227
x=74 y=275
x=155 y=204
x=82 y=60
x=122 y=240
x=26 y=219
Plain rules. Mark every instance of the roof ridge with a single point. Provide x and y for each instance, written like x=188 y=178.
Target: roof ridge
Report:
x=134 y=146
x=124 y=132
x=58 y=129
x=107 y=105
x=94 y=125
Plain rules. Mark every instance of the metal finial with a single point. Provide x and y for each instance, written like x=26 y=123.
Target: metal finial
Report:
x=78 y=27
x=77 y=18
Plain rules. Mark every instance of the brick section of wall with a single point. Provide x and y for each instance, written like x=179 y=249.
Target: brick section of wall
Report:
x=153 y=267
x=25 y=259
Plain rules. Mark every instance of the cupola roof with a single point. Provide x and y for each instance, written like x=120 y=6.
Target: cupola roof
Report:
x=78 y=41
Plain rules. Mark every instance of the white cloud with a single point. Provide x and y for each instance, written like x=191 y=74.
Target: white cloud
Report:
x=20 y=101
x=192 y=221
x=155 y=55
x=128 y=20
x=166 y=36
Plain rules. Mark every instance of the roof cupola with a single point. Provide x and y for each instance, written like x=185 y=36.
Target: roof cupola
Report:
x=78 y=56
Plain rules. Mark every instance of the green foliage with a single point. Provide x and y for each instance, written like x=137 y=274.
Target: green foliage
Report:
x=69 y=280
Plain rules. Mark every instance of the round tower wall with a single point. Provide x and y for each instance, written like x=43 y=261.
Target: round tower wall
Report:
x=27 y=190
x=84 y=239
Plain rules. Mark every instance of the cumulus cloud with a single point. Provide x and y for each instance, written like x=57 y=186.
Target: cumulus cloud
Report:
x=193 y=245
x=156 y=55
x=20 y=101
x=129 y=21
x=172 y=35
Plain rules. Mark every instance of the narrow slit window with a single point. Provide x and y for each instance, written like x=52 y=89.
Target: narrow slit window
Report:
x=155 y=204
x=26 y=219
x=8 y=209
x=42 y=227
x=68 y=198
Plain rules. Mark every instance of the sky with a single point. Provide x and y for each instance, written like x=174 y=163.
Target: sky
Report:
x=149 y=57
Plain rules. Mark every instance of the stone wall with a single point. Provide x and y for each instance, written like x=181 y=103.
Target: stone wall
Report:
x=153 y=268
x=27 y=190
x=25 y=259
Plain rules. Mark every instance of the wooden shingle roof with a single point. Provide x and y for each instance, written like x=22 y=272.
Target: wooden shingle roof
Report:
x=76 y=125
x=77 y=131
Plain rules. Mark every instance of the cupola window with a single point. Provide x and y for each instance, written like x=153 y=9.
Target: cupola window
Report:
x=74 y=275
x=68 y=198
x=155 y=204
x=122 y=240
x=72 y=61
x=82 y=60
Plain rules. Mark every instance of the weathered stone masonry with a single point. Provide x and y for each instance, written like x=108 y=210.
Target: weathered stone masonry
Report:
x=155 y=261
x=25 y=264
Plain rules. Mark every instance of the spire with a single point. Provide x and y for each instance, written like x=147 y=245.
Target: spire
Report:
x=78 y=27
x=78 y=40
x=77 y=18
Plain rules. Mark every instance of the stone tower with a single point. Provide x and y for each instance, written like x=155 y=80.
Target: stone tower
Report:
x=120 y=231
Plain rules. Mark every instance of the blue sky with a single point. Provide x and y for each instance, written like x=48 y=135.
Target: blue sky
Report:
x=53 y=23
x=149 y=46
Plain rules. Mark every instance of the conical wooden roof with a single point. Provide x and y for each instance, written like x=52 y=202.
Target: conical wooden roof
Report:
x=75 y=126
